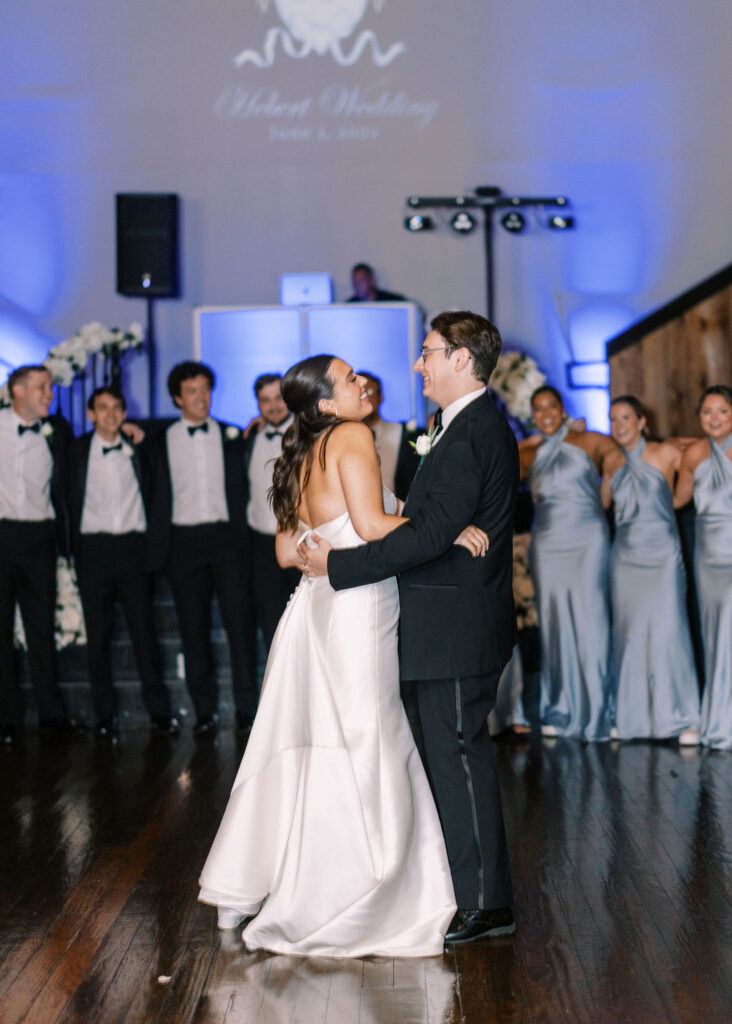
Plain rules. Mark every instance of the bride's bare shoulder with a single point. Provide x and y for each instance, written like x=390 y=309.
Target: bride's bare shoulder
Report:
x=351 y=434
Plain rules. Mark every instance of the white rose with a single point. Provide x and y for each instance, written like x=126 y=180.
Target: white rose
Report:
x=423 y=444
x=128 y=450
x=232 y=433
x=46 y=429
x=68 y=619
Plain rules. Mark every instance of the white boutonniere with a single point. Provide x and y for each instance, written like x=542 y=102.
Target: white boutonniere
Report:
x=47 y=429
x=128 y=449
x=423 y=444
x=232 y=433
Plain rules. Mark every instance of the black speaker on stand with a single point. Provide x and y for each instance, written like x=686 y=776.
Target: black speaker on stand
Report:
x=147 y=257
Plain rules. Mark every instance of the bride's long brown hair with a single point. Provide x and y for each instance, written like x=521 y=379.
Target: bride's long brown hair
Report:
x=303 y=387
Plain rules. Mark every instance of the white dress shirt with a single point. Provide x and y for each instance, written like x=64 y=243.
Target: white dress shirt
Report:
x=265 y=450
x=388 y=438
x=112 y=499
x=197 y=474
x=451 y=411
x=26 y=468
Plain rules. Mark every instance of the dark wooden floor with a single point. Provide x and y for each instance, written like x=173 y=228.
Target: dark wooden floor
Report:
x=623 y=869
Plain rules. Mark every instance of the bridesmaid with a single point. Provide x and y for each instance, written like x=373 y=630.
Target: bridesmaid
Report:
x=706 y=474
x=570 y=566
x=657 y=689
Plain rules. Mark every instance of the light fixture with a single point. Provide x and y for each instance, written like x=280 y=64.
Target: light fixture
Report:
x=589 y=374
x=463 y=223
x=513 y=222
x=560 y=223
x=418 y=223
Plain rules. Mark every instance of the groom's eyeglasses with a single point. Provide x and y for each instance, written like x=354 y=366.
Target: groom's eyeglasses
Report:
x=424 y=351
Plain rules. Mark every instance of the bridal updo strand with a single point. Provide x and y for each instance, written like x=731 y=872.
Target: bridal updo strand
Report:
x=303 y=387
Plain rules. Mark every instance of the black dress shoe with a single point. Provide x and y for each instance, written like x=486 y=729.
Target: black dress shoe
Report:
x=167 y=724
x=243 y=722
x=9 y=734
x=106 y=728
x=469 y=925
x=206 y=725
x=61 y=727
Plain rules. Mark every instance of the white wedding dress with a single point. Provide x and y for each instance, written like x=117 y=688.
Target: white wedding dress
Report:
x=331 y=827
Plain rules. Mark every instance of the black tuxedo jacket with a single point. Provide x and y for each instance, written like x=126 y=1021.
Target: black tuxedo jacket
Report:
x=161 y=494
x=457 y=616
x=58 y=443
x=78 y=466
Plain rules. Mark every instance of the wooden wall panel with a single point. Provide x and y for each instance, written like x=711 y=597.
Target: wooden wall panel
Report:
x=670 y=367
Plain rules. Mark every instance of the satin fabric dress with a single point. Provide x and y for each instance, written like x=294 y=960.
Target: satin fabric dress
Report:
x=569 y=559
x=713 y=573
x=331 y=826
x=657 y=689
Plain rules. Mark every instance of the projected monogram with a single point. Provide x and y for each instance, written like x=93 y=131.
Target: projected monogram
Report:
x=319 y=26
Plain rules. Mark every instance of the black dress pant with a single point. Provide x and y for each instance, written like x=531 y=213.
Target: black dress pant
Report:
x=461 y=766
x=271 y=586
x=28 y=577
x=109 y=568
x=206 y=560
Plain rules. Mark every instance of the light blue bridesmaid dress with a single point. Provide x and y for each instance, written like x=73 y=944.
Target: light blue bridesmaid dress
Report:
x=713 y=572
x=657 y=689
x=569 y=561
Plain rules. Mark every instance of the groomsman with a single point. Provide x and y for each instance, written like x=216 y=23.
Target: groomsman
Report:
x=32 y=521
x=270 y=586
x=198 y=533
x=398 y=460
x=108 y=521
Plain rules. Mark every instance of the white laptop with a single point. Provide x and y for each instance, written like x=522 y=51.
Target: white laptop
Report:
x=306 y=290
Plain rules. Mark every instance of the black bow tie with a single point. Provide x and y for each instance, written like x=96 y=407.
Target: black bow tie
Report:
x=35 y=427
x=270 y=434
x=112 y=448
x=201 y=426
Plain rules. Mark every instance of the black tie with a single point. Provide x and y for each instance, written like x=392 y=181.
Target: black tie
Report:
x=271 y=434
x=437 y=424
x=35 y=427
x=201 y=426
x=112 y=448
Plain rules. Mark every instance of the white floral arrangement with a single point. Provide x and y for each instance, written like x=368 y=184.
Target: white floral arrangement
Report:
x=232 y=433
x=67 y=358
x=524 y=596
x=69 y=623
x=514 y=380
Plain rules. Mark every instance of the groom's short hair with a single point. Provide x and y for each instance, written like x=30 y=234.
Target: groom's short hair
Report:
x=479 y=336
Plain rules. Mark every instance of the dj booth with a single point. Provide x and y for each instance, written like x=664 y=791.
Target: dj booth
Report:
x=242 y=342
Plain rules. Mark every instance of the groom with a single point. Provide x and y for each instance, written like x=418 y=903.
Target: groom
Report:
x=457 y=621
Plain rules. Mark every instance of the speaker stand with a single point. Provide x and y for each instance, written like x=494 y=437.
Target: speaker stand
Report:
x=152 y=363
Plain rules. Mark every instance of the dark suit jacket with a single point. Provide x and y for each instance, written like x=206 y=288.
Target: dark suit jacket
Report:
x=457 y=615
x=161 y=500
x=58 y=443
x=78 y=460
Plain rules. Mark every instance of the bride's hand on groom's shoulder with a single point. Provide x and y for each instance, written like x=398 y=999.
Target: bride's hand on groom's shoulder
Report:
x=474 y=540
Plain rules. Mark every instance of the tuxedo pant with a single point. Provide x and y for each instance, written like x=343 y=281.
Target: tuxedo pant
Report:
x=28 y=577
x=461 y=766
x=111 y=568
x=271 y=586
x=206 y=560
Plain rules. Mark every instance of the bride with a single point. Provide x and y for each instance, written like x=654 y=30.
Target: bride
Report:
x=330 y=844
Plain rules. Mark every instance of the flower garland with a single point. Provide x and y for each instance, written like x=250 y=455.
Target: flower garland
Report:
x=69 y=620
x=514 y=380
x=67 y=358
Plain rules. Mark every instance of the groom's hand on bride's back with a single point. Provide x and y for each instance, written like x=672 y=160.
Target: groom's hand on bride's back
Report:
x=314 y=555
